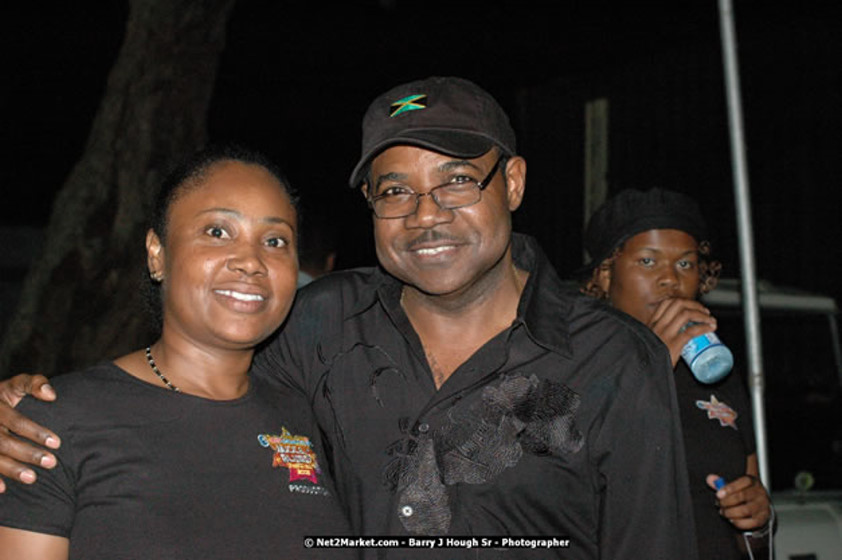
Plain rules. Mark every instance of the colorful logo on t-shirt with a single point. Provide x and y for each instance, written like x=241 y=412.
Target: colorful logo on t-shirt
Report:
x=294 y=453
x=717 y=410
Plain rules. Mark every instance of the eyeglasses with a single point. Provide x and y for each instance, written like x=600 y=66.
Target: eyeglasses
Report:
x=401 y=201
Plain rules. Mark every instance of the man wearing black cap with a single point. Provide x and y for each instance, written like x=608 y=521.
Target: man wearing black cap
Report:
x=462 y=392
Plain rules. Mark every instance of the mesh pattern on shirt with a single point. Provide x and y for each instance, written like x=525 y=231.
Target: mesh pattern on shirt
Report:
x=477 y=443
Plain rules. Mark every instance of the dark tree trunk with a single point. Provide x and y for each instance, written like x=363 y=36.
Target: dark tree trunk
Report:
x=82 y=300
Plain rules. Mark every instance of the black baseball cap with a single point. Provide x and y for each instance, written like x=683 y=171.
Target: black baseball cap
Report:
x=633 y=211
x=449 y=115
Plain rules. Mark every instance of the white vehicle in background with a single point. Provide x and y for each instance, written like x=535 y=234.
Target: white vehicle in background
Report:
x=803 y=408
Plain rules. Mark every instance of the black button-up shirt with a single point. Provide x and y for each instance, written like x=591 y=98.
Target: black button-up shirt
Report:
x=563 y=425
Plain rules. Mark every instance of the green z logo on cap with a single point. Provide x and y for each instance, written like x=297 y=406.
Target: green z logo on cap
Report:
x=411 y=103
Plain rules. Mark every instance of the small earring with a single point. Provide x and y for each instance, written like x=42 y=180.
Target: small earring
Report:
x=156 y=276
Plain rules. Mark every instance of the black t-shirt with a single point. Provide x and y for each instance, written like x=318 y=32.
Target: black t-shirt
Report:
x=718 y=437
x=145 y=472
x=564 y=425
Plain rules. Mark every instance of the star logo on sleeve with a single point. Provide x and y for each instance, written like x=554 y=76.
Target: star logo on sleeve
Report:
x=718 y=410
x=294 y=453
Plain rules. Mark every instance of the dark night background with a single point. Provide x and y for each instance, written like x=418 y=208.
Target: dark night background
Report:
x=295 y=79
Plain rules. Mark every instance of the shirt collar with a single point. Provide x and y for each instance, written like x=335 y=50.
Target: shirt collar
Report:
x=545 y=304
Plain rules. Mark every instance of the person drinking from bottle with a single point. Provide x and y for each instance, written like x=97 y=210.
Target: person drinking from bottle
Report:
x=650 y=258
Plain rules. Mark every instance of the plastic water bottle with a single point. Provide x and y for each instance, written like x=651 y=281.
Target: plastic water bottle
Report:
x=708 y=358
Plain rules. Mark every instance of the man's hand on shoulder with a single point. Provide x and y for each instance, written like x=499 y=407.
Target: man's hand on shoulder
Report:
x=15 y=453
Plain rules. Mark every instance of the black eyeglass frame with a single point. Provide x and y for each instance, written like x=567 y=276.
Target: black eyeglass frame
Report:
x=431 y=193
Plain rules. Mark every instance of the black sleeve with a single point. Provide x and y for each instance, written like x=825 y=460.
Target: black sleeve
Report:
x=48 y=506
x=647 y=508
x=292 y=357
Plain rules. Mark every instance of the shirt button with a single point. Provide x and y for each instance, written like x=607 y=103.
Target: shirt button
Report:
x=424 y=428
x=406 y=511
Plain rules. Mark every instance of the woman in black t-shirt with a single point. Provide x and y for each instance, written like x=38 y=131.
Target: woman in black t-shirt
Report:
x=172 y=451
